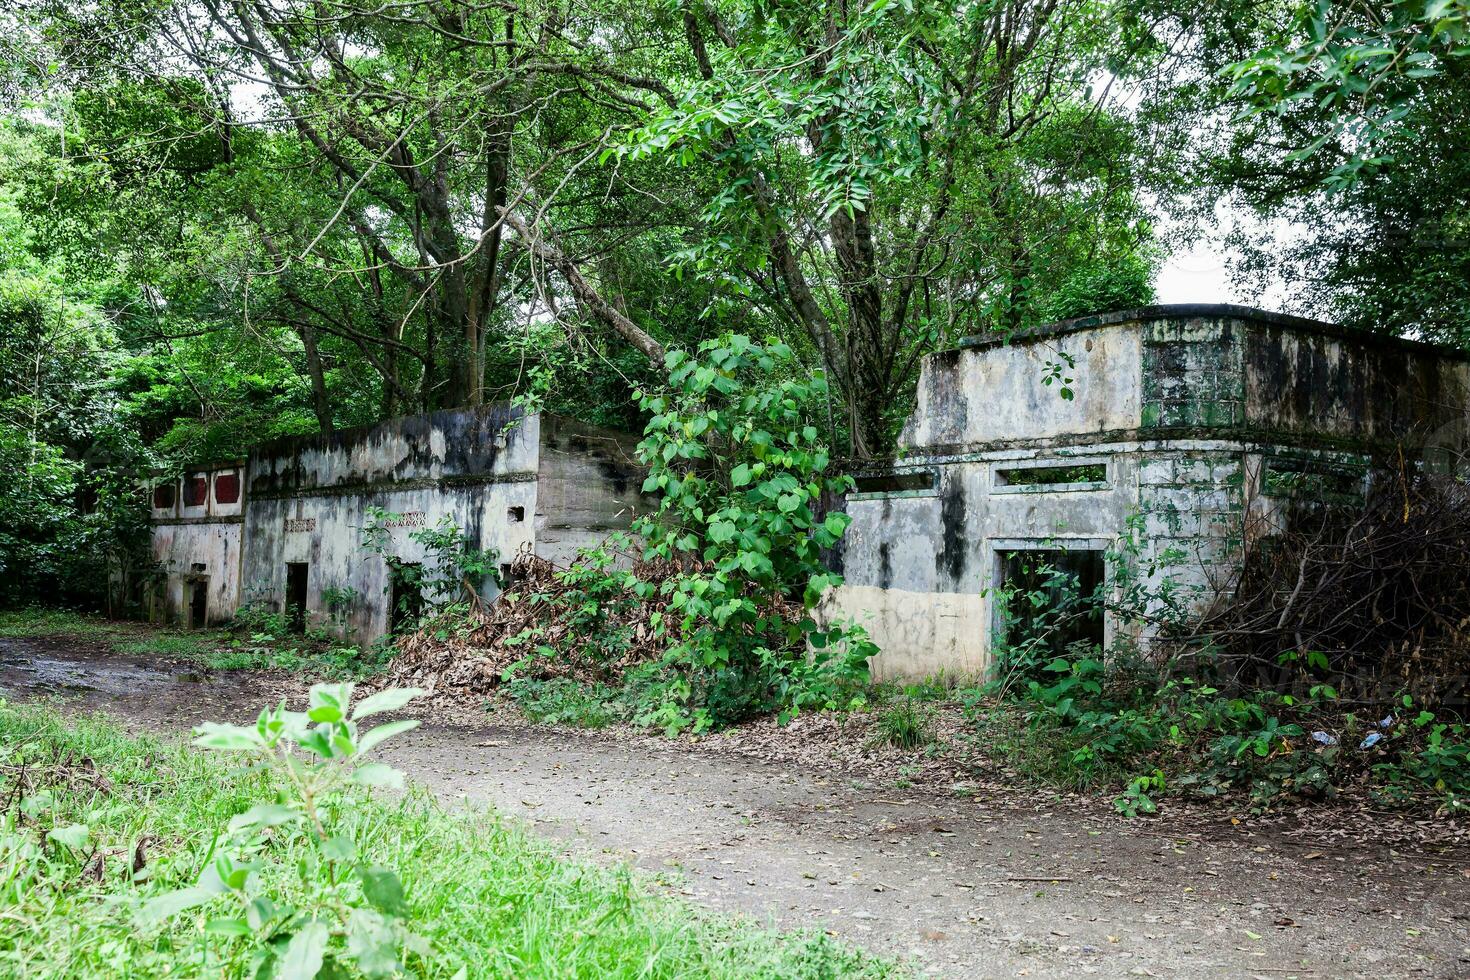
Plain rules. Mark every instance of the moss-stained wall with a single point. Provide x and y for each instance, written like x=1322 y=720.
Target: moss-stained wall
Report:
x=1204 y=417
x=509 y=481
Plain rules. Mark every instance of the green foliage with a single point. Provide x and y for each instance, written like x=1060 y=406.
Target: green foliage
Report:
x=452 y=572
x=98 y=856
x=1083 y=719
x=741 y=471
x=907 y=724
x=1360 y=69
x=347 y=913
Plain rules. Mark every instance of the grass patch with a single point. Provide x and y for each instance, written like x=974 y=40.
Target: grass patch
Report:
x=906 y=724
x=128 y=638
x=18 y=623
x=135 y=818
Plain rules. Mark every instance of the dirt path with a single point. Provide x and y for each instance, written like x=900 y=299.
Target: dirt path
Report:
x=961 y=888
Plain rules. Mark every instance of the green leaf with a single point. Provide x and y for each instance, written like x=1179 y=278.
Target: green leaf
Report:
x=740 y=475
x=302 y=959
x=382 y=889
x=339 y=849
x=72 y=836
x=263 y=815
x=377 y=774
x=375 y=736
x=388 y=700
x=235 y=928
x=227 y=738
x=169 y=904
x=372 y=943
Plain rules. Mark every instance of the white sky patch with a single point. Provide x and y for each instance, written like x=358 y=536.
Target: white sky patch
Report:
x=1200 y=264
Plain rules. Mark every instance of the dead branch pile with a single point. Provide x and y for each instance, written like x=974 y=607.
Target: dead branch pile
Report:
x=561 y=621
x=1383 y=592
x=540 y=608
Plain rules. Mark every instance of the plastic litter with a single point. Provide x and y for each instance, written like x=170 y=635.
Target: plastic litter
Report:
x=1373 y=739
x=1323 y=738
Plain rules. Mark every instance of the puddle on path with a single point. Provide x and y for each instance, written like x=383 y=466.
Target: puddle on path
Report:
x=25 y=667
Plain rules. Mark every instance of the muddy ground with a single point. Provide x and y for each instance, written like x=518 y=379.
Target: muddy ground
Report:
x=960 y=886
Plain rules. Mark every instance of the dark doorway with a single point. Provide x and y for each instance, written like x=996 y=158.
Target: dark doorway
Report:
x=406 y=597
x=198 y=603
x=296 y=595
x=1056 y=598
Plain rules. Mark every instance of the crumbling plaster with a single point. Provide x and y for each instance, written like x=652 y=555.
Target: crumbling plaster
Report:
x=509 y=481
x=1186 y=407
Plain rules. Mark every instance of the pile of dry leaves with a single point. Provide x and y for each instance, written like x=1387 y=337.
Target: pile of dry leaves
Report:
x=596 y=634
x=581 y=621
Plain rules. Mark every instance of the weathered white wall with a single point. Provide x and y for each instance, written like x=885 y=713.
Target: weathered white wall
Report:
x=204 y=534
x=993 y=393
x=325 y=532
x=1188 y=407
x=508 y=481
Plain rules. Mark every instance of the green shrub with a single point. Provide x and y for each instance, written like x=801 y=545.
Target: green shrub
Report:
x=905 y=725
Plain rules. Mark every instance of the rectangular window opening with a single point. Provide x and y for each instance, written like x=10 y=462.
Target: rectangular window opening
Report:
x=196 y=491
x=1309 y=479
x=296 y=595
x=516 y=514
x=1053 y=600
x=1056 y=476
x=894 y=482
x=227 y=488
x=163 y=496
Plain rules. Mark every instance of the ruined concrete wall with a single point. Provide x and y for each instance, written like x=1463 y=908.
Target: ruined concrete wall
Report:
x=588 y=485
x=919 y=566
x=1336 y=387
x=196 y=541
x=1213 y=424
x=311 y=499
x=325 y=532
x=990 y=392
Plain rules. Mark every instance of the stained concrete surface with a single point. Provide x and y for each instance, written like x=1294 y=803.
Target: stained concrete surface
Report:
x=958 y=888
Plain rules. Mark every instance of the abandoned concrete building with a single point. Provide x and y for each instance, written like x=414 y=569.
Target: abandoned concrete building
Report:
x=1187 y=430
x=283 y=528
x=1195 y=426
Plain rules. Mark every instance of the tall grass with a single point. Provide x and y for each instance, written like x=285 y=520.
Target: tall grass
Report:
x=491 y=900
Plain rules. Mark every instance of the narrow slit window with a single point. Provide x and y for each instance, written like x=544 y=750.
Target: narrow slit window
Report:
x=894 y=482
x=1055 y=477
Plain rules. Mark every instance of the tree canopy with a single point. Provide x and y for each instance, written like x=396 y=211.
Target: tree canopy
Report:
x=223 y=220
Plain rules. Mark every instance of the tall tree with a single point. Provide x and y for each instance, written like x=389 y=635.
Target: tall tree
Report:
x=892 y=174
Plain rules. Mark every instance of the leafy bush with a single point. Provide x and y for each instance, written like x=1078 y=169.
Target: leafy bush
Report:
x=741 y=468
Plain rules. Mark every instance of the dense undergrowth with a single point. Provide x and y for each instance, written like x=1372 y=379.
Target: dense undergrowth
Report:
x=1085 y=723
x=134 y=856
x=709 y=617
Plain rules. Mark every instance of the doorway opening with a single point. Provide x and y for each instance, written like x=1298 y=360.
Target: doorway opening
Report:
x=296 y=595
x=198 y=603
x=406 y=596
x=1051 y=599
